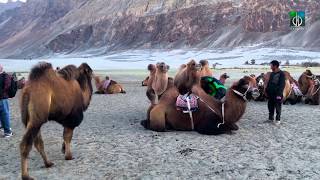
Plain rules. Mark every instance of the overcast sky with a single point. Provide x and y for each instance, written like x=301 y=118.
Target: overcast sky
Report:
x=4 y=1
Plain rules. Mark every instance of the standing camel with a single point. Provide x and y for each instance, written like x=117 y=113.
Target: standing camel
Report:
x=51 y=96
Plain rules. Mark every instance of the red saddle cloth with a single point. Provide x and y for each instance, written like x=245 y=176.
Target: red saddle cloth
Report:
x=182 y=103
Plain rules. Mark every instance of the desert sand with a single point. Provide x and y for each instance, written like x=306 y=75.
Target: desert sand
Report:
x=111 y=144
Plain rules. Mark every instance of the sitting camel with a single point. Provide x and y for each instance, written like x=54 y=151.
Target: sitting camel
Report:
x=152 y=70
x=309 y=85
x=223 y=78
x=158 y=82
x=212 y=116
x=108 y=86
x=205 y=69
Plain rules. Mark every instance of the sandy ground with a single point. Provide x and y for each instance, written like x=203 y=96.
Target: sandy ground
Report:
x=111 y=144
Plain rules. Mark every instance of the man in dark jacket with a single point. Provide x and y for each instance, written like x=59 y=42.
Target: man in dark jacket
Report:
x=5 y=81
x=274 y=91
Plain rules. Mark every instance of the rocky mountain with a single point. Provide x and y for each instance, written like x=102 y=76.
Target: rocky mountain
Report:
x=43 y=27
x=10 y=5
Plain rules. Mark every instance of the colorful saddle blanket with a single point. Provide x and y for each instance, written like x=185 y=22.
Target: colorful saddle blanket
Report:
x=296 y=90
x=106 y=84
x=183 y=105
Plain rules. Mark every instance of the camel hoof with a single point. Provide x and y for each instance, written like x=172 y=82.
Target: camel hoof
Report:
x=68 y=158
x=49 y=164
x=27 y=178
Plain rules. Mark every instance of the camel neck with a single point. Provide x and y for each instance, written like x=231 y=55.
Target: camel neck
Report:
x=234 y=107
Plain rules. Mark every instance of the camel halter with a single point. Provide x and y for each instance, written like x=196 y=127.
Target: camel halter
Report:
x=318 y=82
x=242 y=95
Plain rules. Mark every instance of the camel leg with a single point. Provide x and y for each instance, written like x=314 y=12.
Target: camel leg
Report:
x=25 y=148
x=157 y=118
x=38 y=144
x=66 y=147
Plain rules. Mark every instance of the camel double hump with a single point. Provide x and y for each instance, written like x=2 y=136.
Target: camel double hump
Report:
x=60 y=96
x=212 y=117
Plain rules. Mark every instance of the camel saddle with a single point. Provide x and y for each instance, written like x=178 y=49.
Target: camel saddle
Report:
x=182 y=103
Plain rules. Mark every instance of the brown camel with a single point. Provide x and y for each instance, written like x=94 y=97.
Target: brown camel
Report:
x=158 y=82
x=60 y=97
x=205 y=69
x=213 y=117
x=152 y=70
x=107 y=86
x=309 y=85
x=21 y=83
x=223 y=78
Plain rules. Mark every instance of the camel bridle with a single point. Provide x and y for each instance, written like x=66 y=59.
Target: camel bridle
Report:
x=243 y=95
x=316 y=83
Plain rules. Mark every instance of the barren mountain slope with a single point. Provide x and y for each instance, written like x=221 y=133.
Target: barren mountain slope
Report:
x=42 y=27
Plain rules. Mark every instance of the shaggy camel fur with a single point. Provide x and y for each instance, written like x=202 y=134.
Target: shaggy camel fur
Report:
x=51 y=96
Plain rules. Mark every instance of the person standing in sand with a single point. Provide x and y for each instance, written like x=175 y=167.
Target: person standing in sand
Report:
x=274 y=91
x=5 y=81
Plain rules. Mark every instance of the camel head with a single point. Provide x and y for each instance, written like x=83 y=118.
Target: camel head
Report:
x=204 y=63
x=246 y=88
x=152 y=68
x=85 y=76
x=162 y=67
x=21 y=83
x=224 y=76
x=260 y=81
x=187 y=77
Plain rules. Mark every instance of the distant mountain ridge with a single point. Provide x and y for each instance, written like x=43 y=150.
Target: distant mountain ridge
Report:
x=43 y=27
x=9 y=5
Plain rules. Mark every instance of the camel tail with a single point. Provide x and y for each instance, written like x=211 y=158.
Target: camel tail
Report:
x=24 y=109
x=39 y=70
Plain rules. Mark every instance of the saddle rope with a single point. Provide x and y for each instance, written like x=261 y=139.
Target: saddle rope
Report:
x=190 y=112
x=222 y=110
x=222 y=106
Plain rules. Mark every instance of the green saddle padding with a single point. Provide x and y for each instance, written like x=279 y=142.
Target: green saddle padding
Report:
x=214 y=85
